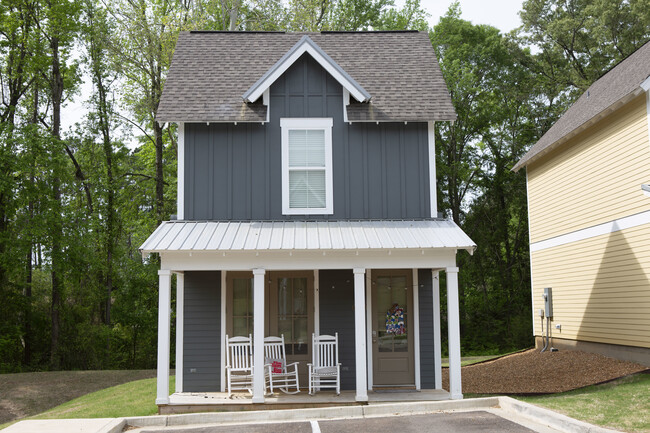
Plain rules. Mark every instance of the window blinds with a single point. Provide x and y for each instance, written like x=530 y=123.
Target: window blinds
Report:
x=307 y=168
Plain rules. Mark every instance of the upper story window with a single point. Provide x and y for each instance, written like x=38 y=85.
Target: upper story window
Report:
x=307 y=166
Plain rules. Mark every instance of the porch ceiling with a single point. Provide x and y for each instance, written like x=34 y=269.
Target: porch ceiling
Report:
x=195 y=236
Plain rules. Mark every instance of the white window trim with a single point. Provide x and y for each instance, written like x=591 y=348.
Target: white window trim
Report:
x=302 y=123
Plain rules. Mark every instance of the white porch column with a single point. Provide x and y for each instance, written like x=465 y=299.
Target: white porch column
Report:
x=258 y=335
x=164 y=305
x=360 y=333
x=453 y=325
x=437 y=345
x=180 y=306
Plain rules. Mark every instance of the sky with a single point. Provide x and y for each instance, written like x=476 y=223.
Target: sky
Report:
x=502 y=14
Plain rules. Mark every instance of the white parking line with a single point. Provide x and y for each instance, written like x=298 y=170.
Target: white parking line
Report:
x=315 y=428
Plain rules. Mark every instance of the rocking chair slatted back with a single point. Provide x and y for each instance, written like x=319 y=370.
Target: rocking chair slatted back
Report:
x=325 y=351
x=239 y=353
x=274 y=348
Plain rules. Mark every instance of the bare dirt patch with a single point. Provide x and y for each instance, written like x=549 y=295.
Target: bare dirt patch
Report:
x=532 y=372
x=26 y=394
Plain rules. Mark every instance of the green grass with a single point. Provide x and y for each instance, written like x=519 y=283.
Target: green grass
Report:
x=622 y=404
x=135 y=398
x=129 y=399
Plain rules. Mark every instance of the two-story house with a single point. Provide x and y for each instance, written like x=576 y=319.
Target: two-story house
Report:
x=307 y=204
x=590 y=221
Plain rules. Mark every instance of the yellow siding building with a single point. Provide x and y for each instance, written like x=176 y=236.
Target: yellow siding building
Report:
x=589 y=217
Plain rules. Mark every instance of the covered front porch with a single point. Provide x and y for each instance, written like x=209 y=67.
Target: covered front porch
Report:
x=347 y=283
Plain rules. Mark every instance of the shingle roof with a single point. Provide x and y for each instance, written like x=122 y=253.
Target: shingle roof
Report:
x=211 y=71
x=620 y=84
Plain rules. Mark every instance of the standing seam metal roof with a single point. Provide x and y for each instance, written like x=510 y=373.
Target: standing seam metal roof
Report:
x=299 y=235
x=211 y=71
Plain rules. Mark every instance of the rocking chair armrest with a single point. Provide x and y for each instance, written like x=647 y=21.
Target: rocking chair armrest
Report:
x=292 y=364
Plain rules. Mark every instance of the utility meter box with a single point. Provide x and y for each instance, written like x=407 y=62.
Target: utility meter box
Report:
x=548 y=302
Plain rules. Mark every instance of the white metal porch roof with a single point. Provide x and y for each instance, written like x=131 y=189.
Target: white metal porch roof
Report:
x=305 y=235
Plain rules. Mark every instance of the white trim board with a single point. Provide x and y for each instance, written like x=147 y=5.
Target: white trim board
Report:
x=180 y=189
x=646 y=86
x=594 y=231
x=416 y=327
x=223 y=330
x=180 y=328
x=370 y=368
x=306 y=45
x=432 y=170
x=530 y=258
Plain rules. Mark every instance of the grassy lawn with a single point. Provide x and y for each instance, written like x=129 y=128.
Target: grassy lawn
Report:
x=135 y=398
x=130 y=399
x=622 y=404
x=28 y=394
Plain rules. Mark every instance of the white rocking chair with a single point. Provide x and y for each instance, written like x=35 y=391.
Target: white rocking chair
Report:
x=239 y=364
x=279 y=374
x=325 y=369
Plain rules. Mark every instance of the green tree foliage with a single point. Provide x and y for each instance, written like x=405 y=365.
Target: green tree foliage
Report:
x=581 y=39
x=75 y=205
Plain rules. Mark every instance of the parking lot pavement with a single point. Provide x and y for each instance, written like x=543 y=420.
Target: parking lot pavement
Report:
x=465 y=422
x=289 y=427
x=461 y=422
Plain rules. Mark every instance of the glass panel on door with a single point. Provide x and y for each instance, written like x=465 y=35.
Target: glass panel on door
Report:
x=391 y=318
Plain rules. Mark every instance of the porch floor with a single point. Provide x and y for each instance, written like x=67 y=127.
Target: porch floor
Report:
x=219 y=402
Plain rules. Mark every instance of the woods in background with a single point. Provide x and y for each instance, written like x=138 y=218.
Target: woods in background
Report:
x=76 y=204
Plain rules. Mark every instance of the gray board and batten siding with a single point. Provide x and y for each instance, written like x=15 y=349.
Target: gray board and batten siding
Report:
x=336 y=302
x=202 y=332
x=233 y=172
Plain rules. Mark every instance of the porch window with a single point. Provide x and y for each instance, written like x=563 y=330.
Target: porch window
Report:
x=293 y=320
x=242 y=306
x=307 y=166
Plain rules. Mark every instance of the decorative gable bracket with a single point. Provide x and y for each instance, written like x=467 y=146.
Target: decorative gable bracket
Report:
x=306 y=45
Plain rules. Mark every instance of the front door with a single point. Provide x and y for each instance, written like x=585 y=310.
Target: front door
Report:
x=392 y=325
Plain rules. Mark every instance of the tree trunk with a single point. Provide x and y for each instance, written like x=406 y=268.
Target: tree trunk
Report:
x=57 y=253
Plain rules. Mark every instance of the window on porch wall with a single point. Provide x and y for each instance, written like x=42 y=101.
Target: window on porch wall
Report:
x=242 y=307
x=287 y=310
x=293 y=314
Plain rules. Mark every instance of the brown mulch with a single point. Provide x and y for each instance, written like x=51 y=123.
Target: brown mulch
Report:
x=532 y=372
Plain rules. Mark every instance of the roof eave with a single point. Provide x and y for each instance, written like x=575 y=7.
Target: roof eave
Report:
x=306 y=44
x=524 y=162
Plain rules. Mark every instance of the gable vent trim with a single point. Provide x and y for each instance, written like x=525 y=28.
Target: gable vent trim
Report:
x=306 y=44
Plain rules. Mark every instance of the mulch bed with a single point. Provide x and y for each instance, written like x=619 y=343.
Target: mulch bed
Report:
x=532 y=372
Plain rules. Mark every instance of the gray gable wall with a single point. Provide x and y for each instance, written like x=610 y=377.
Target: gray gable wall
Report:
x=233 y=172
